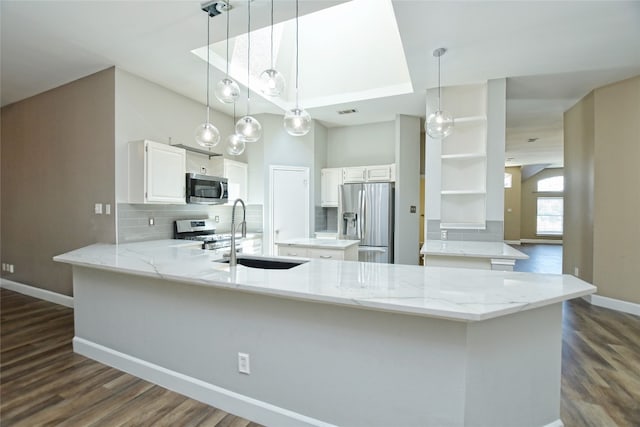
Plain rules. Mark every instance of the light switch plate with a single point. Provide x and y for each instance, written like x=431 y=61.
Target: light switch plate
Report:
x=98 y=208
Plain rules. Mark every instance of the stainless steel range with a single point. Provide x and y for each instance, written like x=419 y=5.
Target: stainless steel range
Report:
x=202 y=230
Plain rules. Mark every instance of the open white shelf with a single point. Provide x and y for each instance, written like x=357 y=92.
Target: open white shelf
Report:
x=461 y=192
x=462 y=156
x=463 y=225
x=469 y=120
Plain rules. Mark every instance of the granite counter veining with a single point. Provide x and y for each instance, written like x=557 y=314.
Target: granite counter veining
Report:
x=471 y=249
x=451 y=293
x=319 y=243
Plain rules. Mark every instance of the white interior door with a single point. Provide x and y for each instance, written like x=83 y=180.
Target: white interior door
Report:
x=289 y=196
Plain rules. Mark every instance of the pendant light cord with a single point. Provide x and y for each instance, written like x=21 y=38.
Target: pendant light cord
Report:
x=208 y=63
x=228 y=9
x=439 y=87
x=272 y=34
x=248 y=54
x=297 y=57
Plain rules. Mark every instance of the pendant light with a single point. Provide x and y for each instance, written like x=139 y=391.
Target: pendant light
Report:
x=297 y=121
x=440 y=123
x=248 y=128
x=235 y=144
x=272 y=81
x=206 y=134
x=227 y=90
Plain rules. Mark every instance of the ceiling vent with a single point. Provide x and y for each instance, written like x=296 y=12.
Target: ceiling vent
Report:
x=532 y=139
x=349 y=111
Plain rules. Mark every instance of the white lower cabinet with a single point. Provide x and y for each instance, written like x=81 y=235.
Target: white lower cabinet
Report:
x=289 y=250
x=156 y=173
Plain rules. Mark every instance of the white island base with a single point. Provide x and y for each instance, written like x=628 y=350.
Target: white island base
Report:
x=322 y=364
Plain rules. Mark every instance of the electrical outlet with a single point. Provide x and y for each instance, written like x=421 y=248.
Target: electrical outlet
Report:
x=98 y=208
x=216 y=218
x=576 y=271
x=10 y=267
x=243 y=363
x=152 y=221
x=444 y=234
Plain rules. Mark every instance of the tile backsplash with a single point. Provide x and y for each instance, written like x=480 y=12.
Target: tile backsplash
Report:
x=494 y=232
x=133 y=220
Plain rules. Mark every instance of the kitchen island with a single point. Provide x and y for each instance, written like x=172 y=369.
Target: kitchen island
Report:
x=329 y=342
x=471 y=254
x=337 y=249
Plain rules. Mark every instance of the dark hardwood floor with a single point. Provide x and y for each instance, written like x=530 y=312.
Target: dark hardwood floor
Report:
x=43 y=383
x=543 y=258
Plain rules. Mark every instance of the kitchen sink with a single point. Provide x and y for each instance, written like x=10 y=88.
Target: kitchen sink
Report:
x=268 y=263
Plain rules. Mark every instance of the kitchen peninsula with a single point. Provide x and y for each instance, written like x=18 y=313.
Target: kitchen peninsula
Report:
x=470 y=254
x=329 y=342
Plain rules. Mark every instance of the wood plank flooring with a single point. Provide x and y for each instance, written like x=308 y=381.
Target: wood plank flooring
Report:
x=43 y=383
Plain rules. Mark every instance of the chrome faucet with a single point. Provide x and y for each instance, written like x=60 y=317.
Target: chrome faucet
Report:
x=233 y=260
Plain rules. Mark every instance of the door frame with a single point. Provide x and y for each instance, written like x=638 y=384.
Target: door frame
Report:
x=272 y=171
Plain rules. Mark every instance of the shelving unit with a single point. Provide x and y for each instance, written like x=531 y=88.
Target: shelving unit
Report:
x=463 y=160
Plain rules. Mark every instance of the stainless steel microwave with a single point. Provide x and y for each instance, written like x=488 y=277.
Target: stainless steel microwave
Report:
x=206 y=190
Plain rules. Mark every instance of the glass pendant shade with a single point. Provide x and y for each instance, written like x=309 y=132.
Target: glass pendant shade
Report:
x=249 y=129
x=227 y=91
x=235 y=145
x=439 y=124
x=207 y=135
x=272 y=82
x=297 y=122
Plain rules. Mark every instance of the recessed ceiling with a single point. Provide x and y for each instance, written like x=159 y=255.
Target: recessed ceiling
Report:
x=552 y=53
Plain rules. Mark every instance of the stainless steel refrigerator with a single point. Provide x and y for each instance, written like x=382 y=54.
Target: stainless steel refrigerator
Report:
x=365 y=213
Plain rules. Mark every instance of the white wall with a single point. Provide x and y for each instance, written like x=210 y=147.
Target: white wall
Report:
x=371 y=144
x=145 y=110
x=407 y=224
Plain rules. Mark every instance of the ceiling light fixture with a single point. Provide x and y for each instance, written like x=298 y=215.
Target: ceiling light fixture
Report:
x=297 y=121
x=440 y=123
x=206 y=134
x=235 y=144
x=272 y=81
x=248 y=128
x=227 y=90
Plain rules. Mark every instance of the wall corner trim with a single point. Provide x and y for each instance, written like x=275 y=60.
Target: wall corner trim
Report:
x=615 y=304
x=39 y=293
x=513 y=242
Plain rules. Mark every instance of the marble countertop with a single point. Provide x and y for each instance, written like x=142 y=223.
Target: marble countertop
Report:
x=471 y=249
x=319 y=243
x=449 y=293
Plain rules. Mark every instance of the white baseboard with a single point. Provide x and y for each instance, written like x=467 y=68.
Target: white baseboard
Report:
x=556 y=423
x=614 y=304
x=226 y=400
x=39 y=293
x=545 y=241
x=513 y=242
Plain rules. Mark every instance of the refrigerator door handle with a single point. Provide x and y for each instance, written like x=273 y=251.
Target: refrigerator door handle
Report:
x=361 y=219
x=364 y=213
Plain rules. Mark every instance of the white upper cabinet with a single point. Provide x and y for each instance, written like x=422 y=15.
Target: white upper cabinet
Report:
x=375 y=173
x=156 y=173
x=236 y=173
x=330 y=180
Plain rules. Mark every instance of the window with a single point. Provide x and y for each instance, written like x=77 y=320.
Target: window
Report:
x=555 y=183
x=508 y=180
x=549 y=216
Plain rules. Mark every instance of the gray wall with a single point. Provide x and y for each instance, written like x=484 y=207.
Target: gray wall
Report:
x=371 y=144
x=407 y=141
x=57 y=162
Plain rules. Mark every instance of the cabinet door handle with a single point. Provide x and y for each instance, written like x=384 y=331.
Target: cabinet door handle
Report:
x=292 y=254
x=326 y=256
